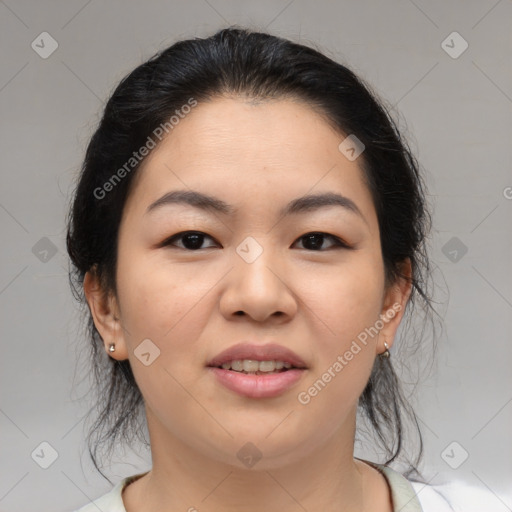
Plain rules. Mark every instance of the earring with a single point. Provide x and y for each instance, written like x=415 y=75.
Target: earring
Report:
x=386 y=353
x=112 y=347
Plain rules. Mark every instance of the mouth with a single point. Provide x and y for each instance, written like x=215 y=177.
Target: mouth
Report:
x=257 y=371
x=254 y=367
x=250 y=358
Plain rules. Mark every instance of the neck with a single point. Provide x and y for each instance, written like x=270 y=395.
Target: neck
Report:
x=184 y=478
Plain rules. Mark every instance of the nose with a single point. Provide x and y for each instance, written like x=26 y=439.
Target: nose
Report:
x=259 y=289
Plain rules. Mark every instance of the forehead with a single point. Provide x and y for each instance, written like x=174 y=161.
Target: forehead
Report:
x=235 y=128
x=238 y=148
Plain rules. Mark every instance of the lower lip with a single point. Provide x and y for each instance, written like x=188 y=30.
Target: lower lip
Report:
x=258 y=386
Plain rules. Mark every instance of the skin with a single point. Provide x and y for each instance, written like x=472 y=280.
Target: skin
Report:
x=256 y=156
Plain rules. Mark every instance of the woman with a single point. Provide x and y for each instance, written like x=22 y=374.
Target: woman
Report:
x=248 y=231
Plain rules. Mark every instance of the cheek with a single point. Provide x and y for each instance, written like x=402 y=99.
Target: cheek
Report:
x=156 y=297
x=345 y=302
x=164 y=305
x=170 y=305
x=346 y=308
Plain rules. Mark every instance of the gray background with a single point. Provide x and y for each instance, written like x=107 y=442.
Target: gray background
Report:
x=456 y=112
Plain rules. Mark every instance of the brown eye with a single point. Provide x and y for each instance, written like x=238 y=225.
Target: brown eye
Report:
x=190 y=240
x=315 y=241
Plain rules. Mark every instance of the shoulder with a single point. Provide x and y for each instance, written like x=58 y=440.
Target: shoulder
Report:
x=112 y=501
x=410 y=496
x=454 y=496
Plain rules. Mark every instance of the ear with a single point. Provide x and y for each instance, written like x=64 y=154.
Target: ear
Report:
x=105 y=313
x=393 y=308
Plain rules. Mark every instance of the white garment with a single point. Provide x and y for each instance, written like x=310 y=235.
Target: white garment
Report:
x=460 y=496
x=413 y=496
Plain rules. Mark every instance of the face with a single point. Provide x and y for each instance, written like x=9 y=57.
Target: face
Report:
x=258 y=268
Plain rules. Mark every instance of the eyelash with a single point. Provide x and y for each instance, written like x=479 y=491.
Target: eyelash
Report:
x=338 y=242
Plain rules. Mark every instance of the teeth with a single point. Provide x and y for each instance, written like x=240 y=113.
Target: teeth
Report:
x=237 y=366
x=264 y=366
x=252 y=366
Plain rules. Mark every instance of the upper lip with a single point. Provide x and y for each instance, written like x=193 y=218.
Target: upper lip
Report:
x=268 y=352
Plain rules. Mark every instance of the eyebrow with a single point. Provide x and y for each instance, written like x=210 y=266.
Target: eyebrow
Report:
x=302 y=204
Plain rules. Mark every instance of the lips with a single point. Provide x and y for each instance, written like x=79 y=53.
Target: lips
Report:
x=268 y=352
x=257 y=384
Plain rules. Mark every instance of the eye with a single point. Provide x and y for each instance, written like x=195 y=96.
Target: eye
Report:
x=193 y=241
x=190 y=240
x=315 y=241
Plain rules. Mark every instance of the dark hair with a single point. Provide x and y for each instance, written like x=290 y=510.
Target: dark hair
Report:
x=256 y=65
